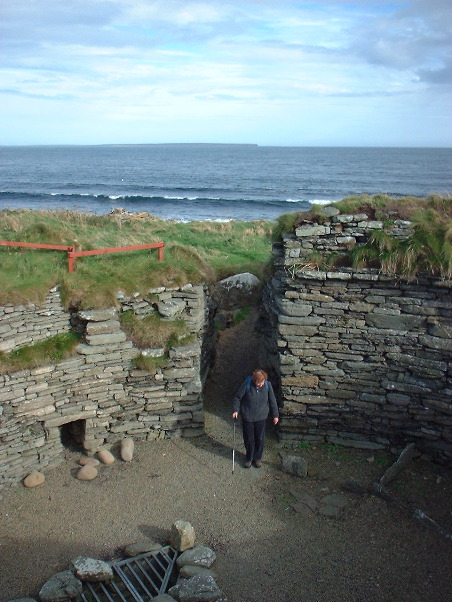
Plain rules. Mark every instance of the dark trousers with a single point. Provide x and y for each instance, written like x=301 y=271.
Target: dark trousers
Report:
x=253 y=438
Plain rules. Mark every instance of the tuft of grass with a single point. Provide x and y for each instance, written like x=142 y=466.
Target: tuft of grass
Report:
x=284 y=224
x=49 y=351
x=241 y=314
x=331 y=448
x=153 y=331
x=150 y=364
x=427 y=251
x=305 y=445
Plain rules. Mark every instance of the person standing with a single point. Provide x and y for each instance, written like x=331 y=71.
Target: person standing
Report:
x=254 y=400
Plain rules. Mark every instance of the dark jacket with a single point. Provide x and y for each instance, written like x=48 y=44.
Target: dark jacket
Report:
x=255 y=403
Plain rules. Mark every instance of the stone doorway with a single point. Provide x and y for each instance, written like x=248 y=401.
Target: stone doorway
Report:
x=72 y=435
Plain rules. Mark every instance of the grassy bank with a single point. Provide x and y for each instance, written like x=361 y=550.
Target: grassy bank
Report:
x=195 y=252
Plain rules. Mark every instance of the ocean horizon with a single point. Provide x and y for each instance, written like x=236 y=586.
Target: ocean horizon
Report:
x=213 y=181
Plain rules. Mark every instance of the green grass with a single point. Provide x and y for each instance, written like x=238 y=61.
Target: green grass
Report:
x=195 y=252
x=49 y=351
x=306 y=445
x=241 y=314
x=153 y=332
x=150 y=364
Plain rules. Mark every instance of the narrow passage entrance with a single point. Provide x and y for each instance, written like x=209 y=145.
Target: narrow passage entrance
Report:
x=237 y=356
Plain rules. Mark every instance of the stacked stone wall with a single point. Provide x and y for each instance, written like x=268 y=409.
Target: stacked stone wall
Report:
x=27 y=324
x=100 y=387
x=365 y=360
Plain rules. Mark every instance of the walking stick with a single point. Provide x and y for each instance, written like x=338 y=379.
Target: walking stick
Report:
x=233 y=447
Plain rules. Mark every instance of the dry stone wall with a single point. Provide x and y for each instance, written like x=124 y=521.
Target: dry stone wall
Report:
x=96 y=398
x=365 y=360
x=27 y=324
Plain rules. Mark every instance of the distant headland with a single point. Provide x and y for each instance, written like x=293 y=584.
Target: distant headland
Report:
x=213 y=144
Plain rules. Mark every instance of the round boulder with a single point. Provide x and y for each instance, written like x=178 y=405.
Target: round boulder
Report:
x=126 y=449
x=199 y=556
x=237 y=291
x=87 y=473
x=92 y=569
x=61 y=587
x=34 y=479
x=106 y=457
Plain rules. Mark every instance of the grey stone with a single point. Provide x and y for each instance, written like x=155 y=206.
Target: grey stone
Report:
x=157 y=352
x=312 y=230
x=200 y=588
x=182 y=535
x=442 y=330
x=163 y=598
x=295 y=465
x=106 y=339
x=174 y=590
x=403 y=460
x=399 y=323
x=98 y=315
x=197 y=556
x=102 y=327
x=332 y=505
x=22 y=600
x=185 y=351
x=237 y=291
x=329 y=211
x=171 y=308
x=291 y=308
x=356 y=443
x=436 y=342
x=188 y=570
x=179 y=373
x=92 y=569
x=61 y=587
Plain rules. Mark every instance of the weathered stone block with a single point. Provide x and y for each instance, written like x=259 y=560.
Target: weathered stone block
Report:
x=182 y=535
x=109 y=326
x=106 y=339
x=98 y=315
x=304 y=380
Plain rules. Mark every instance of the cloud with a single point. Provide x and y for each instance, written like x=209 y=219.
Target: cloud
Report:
x=416 y=36
x=127 y=60
x=441 y=76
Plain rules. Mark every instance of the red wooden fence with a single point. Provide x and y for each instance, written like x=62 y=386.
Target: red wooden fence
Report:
x=72 y=254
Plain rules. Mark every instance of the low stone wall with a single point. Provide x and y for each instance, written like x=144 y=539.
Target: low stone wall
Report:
x=365 y=359
x=27 y=324
x=96 y=398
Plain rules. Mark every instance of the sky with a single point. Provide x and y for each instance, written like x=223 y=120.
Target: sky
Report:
x=267 y=72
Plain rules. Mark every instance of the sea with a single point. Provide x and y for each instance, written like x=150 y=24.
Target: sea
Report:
x=217 y=182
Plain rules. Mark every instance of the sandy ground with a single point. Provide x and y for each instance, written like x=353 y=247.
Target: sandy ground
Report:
x=374 y=552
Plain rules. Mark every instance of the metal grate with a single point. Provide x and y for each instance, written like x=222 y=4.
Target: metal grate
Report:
x=137 y=579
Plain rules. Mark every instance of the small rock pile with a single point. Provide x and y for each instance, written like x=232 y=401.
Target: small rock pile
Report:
x=195 y=583
x=89 y=466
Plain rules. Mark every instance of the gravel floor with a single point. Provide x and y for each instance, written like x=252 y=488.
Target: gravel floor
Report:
x=375 y=551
